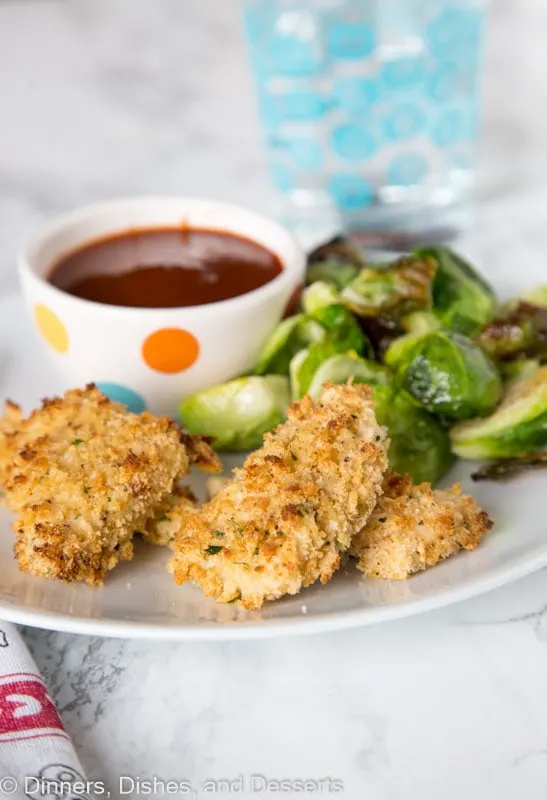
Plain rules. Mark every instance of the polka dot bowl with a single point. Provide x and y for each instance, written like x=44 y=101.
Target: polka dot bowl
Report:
x=151 y=358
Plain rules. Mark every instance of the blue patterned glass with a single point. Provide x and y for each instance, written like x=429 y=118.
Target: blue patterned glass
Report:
x=370 y=107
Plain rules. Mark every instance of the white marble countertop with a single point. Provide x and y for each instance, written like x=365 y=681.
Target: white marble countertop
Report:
x=114 y=97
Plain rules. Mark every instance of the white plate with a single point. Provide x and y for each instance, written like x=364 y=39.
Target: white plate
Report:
x=139 y=598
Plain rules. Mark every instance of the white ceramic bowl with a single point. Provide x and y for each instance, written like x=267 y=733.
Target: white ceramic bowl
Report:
x=111 y=345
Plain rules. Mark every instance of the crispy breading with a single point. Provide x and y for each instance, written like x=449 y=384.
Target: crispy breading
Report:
x=413 y=527
x=162 y=527
x=9 y=426
x=291 y=511
x=85 y=475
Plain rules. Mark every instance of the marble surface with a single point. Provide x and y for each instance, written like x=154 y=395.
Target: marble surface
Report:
x=114 y=97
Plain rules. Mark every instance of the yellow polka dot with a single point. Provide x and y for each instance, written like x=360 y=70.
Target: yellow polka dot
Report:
x=170 y=350
x=51 y=328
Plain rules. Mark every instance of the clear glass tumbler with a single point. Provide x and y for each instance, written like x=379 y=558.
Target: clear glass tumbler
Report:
x=370 y=110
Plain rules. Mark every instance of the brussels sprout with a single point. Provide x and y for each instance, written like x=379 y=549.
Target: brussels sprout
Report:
x=343 y=334
x=421 y=322
x=339 y=368
x=290 y=336
x=462 y=300
x=419 y=446
x=517 y=427
x=319 y=295
x=336 y=262
x=509 y=467
x=398 y=349
x=449 y=374
x=515 y=370
x=238 y=413
x=394 y=290
x=517 y=330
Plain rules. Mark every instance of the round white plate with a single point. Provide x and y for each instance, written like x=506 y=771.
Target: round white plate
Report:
x=139 y=598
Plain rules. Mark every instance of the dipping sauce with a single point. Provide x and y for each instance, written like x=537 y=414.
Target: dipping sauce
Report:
x=165 y=268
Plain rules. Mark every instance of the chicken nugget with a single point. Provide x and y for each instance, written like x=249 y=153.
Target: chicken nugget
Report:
x=291 y=511
x=413 y=527
x=10 y=424
x=84 y=476
x=162 y=527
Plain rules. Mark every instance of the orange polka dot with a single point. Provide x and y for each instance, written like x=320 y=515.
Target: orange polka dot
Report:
x=170 y=350
x=51 y=328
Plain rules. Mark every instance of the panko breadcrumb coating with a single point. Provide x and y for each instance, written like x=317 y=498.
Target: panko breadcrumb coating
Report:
x=413 y=527
x=291 y=511
x=162 y=527
x=84 y=476
x=9 y=426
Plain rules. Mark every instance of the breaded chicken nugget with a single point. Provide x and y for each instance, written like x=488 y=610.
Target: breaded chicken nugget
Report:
x=85 y=475
x=414 y=527
x=162 y=527
x=9 y=426
x=293 y=508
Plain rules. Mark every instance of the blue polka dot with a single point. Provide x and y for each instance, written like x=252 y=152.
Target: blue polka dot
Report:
x=403 y=122
x=356 y=95
x=450 y=127
x=298 y=105
x=293 y=56
x=402 y=73
x=350 y=40
x=306 y=153
x=121 y=394
x=353 y=142
x=455 y=34
x=445 y=83
x=351 y=192
x=407 y=169
x=282 y=177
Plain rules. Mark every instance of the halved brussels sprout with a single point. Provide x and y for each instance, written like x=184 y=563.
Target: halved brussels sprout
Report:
x=462 y=299
x=517 y=330
x=449 y=374
x=419 y=446
x=339 y=368
x=394 y=290
x=517 y=427
x=290 y=336
x=515 y=370
x=398 y=349
x=318 y=295
x=238 y=413
x=336 y=262
x=421 y=322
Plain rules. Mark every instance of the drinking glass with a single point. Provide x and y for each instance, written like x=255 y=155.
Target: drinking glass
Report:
x=370 y=110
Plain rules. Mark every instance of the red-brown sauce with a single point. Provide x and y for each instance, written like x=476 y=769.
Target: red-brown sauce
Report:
x=165 y=268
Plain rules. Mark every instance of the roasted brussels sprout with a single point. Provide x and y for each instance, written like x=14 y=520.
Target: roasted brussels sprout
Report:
x=517 y=331
x=290 y=336
x=393 y=290
x=318 y=295
x=421 y=322
x=336 y=262
x=419 y=445
x=448 y=374
x=537 y=296
x=339 y=368
x=517 y=427
x=462 y=300
x=238 y=413
x=515 y=370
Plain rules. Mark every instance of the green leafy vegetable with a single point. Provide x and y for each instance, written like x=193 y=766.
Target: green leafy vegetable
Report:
x=516 y=428
x=463 y=301
x=336 y=262
x=419 y=446
x=340 y=368
x=290 y=336
x=448 y=374
x=318 y=295
x=238 y=413
x=395 y=290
